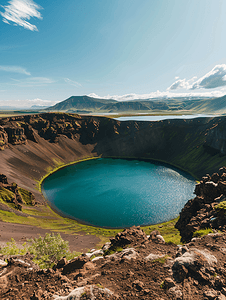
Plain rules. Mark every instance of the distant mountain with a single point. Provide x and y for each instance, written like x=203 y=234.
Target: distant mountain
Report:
x=86 y=104
x=81 y=103
x=9 y=108
x=39 y=106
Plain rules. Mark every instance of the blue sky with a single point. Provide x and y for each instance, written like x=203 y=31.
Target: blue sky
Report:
x=51 y=50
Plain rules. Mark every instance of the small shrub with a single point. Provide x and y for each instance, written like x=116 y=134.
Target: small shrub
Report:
x=47 y=250
x=12 y=249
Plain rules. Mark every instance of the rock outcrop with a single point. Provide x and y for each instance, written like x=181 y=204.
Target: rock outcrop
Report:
x=128 y=236
x=205 y=211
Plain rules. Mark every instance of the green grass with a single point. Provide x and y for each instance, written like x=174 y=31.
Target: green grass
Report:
x=44 y=217
x=6 y=197
x=167 y=230
x=202 y=232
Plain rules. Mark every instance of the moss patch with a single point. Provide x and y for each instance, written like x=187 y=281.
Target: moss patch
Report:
x=5 y=195
x=202 y=232
x=26 y=196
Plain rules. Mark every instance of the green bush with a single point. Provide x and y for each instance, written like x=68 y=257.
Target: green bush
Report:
x=12 y=249
x=47 y=250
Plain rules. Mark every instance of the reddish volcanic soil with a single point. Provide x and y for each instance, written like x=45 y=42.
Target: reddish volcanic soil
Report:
x=146 y=269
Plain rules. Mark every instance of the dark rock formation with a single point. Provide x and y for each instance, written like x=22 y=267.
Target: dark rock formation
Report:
x=3 y=179
x=128 y=236
x=14 y=195
x=3 y=138
x=16 y=135
x=202 y=211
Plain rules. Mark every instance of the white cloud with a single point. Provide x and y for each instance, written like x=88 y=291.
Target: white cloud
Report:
x=27 y=103
x=71 y=82
x=39 y=102
x=182 y=84
x=215 y=78
x=14 y=69
x=179 y=84
x=18 y=11
x=32 y=81
x=161 y=95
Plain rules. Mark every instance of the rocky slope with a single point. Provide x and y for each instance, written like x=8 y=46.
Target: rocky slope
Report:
x=144 y=267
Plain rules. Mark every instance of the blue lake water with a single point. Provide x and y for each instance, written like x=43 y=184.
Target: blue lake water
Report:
x=159 y=118
x=118 y=193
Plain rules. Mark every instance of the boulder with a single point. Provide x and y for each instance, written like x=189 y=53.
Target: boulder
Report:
x=91 y=292
x=126 y=254
x=194 y=263
x=156 y=237
x=128 y=236
x=75 y=264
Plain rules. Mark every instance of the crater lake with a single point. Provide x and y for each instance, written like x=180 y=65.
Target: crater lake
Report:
x=117 y=193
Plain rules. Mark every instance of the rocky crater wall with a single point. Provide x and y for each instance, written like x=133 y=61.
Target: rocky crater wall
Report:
x=33 y=144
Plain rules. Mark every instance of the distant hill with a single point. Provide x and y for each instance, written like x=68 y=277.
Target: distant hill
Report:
x=86 y=104
x=81 y=103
